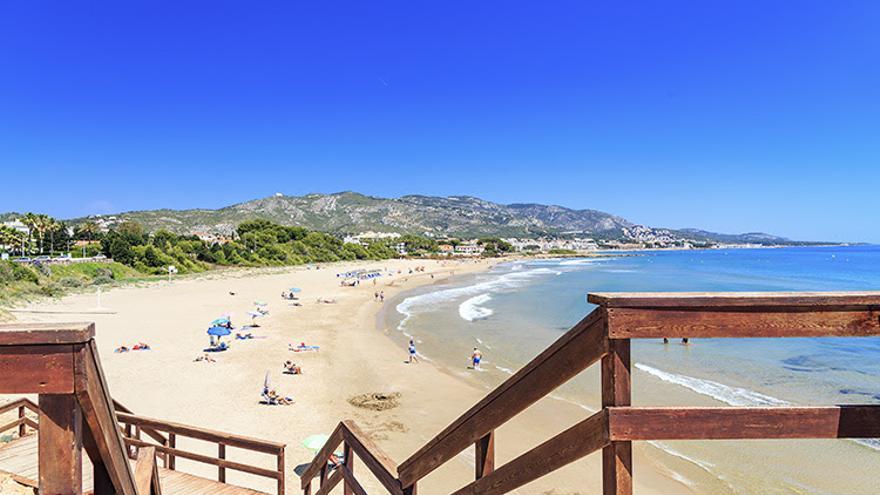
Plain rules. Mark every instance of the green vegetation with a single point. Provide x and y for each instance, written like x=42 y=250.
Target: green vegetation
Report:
x=26 y=281
x=493 y=246
x=562 y=251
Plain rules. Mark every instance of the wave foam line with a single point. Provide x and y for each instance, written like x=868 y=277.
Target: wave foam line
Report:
x=472 y=308
x=409 y=306
x=733 y=396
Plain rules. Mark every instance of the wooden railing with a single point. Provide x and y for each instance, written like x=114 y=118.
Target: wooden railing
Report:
x=60 y=363
x=605 y=334
x=165 y=434
x=23 y=422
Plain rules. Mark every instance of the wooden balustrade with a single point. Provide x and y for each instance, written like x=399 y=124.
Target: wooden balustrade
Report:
x=605 y=334
x=166 y=433
x=60 y=363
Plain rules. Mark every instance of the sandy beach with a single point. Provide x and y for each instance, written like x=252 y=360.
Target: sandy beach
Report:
x=355 y=358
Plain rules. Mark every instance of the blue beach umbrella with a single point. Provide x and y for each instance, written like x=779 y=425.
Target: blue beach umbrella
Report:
x=295 y=289
x=219 y=331
x=220 y=321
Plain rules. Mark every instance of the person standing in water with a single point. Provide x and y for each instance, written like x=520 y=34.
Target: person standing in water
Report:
x=476 y=357
x=413 y=355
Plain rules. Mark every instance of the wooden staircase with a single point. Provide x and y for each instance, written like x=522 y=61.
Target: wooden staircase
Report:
x=75 y=412
x=605 y=335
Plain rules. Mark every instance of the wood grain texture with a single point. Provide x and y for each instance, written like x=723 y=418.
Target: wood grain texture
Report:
x=331 y=483
x=733 y=423
x=781 y=321
x=146 y=473
x=572 y=444
x=60 y=445
x=40 y=369
x=372 y=457
x=617 y=391
x=576 y=350
x=100 y=417
x=484 y=455
x=12 y=334
x=733 y=299
x=352 y=484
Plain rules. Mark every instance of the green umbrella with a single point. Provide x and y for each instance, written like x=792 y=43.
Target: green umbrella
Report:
x=316 y=442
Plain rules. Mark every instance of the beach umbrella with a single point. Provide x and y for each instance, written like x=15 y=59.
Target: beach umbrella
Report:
x=220 y=321
x=254 y=314
x=260 y=303
x=219 y=331
x=295 y=289
x=315 y=442
x=266 y=380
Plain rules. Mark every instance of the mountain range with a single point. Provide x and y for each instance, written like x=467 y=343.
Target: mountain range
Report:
x=461 y=216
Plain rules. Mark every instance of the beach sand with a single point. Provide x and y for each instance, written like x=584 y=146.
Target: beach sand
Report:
x=355 y=358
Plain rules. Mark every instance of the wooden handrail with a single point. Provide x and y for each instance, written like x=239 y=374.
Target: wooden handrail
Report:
x=708 y=315
x=230 y=439
x=356 y=441
x=169 y=450
x=575 y=351
x=741 y=423
x=605 y=334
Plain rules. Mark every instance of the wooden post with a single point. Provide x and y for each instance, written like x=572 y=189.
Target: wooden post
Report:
x=348 y=460
x=323 y=478
x=60 y=444
x=281 y=472
x=22 y=428
x=308 y=489
x=411 y=490
x=221 y=471
x=172 y=443
x=485 y=455
x=617 y=391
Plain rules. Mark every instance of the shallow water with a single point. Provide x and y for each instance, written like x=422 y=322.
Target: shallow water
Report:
x=515 y=311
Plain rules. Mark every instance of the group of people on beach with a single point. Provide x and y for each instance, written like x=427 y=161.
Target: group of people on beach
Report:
x=476 y=355
x=379 y=296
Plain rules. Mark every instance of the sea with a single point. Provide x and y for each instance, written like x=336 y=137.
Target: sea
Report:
x=517 y=309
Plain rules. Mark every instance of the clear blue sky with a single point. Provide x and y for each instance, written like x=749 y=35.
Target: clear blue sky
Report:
x=729 y=116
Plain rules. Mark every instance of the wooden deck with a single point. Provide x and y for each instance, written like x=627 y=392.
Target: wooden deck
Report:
x=20 y=457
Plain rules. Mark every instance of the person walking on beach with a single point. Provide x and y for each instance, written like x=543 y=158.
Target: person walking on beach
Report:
x=413 y=355
x=382 y=296
x=476 y=357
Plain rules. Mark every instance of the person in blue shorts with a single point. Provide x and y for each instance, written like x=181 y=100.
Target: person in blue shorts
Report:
x=413 y=355
x=476 y=357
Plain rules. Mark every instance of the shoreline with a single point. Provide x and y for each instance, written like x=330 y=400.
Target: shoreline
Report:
x=165 y=383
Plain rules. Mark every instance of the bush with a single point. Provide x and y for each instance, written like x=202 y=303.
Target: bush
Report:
x=102 y=280
x=51 y=289
x=70 y=282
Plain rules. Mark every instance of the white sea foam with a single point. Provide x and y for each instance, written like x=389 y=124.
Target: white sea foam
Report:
x=472 y=309
x=508 y=281
x=579 y=261
x=734 y=396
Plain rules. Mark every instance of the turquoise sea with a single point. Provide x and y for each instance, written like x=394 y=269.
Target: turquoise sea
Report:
x=514 y=311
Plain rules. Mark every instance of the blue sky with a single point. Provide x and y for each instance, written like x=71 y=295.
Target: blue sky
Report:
x=728 y=116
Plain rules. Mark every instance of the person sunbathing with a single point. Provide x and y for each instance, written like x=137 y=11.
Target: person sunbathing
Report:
x=275 y=399
x=206 y=358
x=140 y=346
x=121 y=348
x=244 y=336
x=291 y=368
